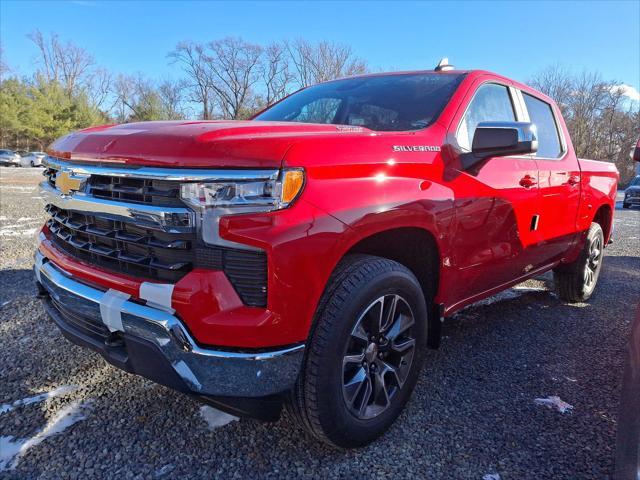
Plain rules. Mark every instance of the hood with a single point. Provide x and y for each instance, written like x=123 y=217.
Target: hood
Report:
x=239 y=144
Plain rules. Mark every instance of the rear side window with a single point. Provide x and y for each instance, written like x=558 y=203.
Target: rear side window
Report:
x=541 y=115
x=491 y=103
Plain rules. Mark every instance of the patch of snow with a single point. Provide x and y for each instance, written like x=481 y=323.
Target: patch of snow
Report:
x=18 y=188
x=26 y=219
x=491 y=476
x=215 y=418
x=164 y=470
x=555 y=402
x=570 y=379
x=62 y=390
x=5 y=303
x=9 y=232
x=12 y=449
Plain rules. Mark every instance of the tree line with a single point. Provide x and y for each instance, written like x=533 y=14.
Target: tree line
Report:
x=231 y=78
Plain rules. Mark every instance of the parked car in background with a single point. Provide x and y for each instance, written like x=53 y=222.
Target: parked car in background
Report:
x=308 y=257
x=632 y=193
x=33 y=159
x=9 y=158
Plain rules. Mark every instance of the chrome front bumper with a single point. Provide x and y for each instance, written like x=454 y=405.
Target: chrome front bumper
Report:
x=156 y=345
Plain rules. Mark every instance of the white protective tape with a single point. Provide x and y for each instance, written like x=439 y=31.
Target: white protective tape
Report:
x=110 y=308
x=157 y=295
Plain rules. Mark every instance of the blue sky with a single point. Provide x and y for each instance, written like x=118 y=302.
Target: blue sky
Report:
x=516 y=39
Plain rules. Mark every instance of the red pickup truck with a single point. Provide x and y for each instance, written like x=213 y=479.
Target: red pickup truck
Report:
x=306 y=258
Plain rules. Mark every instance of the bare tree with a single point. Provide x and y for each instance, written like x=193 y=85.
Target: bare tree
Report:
x=323 y=61
x=277 y=76
x=556 y=82
x=234 y=68
x=193 y=60
x=66 y=63
x=123 y=91
x=99 y=85
x=171 y=98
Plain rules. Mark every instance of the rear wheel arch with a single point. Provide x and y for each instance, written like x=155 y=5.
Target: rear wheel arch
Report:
x=604 y=218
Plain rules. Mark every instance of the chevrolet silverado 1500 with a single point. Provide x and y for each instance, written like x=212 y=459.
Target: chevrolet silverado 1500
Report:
x=307 y=257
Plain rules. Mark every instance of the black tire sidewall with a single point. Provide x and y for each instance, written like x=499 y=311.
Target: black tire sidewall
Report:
x=594 y=231
x=337 y=422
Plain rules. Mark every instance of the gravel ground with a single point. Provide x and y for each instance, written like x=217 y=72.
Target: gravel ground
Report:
x=473 y=413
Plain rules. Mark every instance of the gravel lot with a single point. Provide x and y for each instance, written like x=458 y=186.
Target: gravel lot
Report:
x=473 y=413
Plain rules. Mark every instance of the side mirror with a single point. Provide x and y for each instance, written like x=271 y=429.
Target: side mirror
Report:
x=636 y=152
x=501 y=139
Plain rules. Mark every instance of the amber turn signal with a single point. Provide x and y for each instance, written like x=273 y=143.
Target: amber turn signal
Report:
x=292 y=183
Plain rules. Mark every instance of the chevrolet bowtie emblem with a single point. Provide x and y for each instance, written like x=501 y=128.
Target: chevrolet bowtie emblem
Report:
x=67 y=183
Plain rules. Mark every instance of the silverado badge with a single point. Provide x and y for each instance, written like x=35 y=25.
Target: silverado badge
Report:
x=66 y=182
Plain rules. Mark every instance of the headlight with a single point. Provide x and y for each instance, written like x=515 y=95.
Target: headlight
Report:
x=262 y=195
x=214 y=200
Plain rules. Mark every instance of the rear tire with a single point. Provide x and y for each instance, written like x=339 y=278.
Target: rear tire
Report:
x=626 y=205
x=575 y=282
x=364 y=353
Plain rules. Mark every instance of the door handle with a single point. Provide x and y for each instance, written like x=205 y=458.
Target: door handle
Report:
x=573 y=180
x=528 y=181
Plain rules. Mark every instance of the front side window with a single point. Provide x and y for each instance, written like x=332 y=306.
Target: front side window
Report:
x=491 y=103
x=541 y=115
x=396 y=102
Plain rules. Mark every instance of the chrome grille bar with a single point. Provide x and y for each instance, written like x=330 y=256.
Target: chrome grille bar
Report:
x=159 y=173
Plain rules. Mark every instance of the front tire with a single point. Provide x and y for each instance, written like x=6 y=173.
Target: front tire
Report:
x=575 y=282
x=364 y=354
x=626 y=205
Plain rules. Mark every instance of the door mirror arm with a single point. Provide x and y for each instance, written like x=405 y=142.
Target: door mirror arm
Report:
x=500 y=139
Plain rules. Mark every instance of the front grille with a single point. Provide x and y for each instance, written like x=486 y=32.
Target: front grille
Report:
x=129 y=189
x=122 y=246
x=138 y=190
x=144 y=250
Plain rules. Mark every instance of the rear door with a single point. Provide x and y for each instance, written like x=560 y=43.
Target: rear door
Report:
x=558 y=182
x=495 y=204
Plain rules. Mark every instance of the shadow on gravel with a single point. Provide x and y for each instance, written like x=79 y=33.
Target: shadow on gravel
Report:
x=15 y=284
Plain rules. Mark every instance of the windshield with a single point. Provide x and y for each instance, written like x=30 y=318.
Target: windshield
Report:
x=384 y=103
x=635 y=182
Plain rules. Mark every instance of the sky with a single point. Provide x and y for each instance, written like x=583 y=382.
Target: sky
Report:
x=516 y=39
